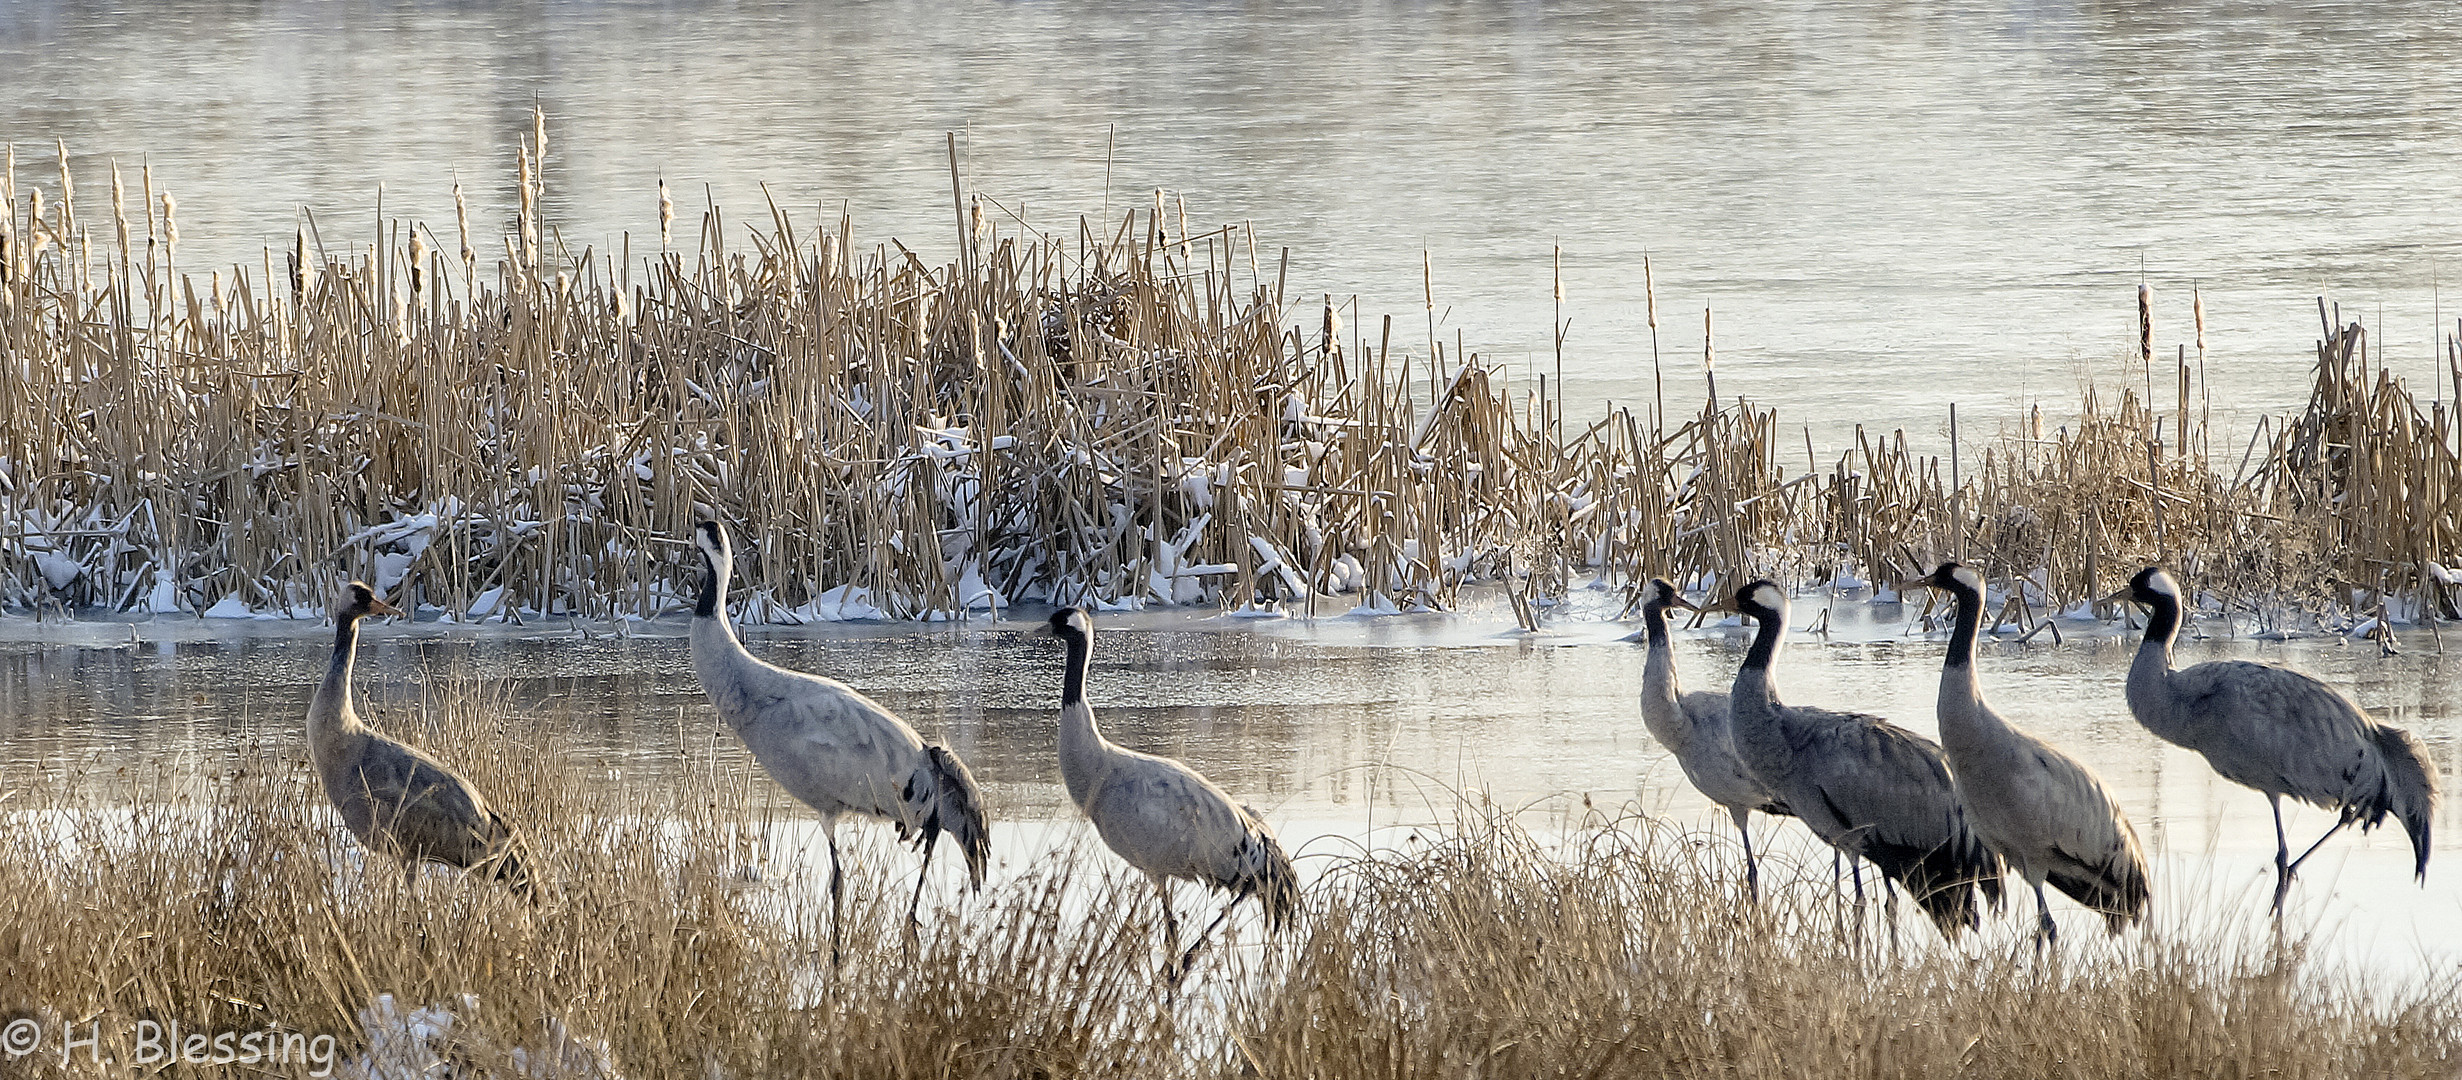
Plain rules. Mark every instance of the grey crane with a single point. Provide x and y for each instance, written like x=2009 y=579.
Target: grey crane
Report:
x=1869 y=788
x=832 y=747
x=1161 y=817
x=394 y=798
x=2282 y=732
x=1694 y=728
x=2045 y=812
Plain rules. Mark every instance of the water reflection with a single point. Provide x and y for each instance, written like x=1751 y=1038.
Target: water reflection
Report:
x=1338 y=726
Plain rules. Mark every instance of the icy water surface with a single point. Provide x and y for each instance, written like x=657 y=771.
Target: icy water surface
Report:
x=1890 y=206
x=1338 y=730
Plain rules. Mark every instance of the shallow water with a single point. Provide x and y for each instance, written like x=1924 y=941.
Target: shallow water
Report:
x=1339 y=730
x=1890 y=208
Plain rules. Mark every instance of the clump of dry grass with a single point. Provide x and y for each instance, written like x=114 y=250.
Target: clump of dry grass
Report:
x=226 y=897
x=1132 y=411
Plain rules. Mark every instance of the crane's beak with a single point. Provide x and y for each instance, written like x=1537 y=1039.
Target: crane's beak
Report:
x=378 y=606
x=1724 y=605
x=2120 y=597
x=1912 y=584
x=1680 y=601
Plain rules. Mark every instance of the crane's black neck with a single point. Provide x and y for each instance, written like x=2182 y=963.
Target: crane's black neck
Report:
x=2162 y=617
x=1969 y=622
x=1765 y=640
x=1654 y=622
x=713 y=588
x=345 y=639
x=1073 y=684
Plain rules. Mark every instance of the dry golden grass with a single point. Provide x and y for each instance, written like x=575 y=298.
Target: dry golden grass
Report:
x=1135 y=410
x=226 y=897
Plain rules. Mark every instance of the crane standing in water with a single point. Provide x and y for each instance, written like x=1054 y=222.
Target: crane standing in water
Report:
x=1869 y=788
x=1161 y=817
x=2042 y=810
x=1694 y=727
x=393 y=797
x=832 y=747
x=2282 y=732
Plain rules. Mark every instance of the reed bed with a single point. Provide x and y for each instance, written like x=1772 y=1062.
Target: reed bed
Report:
x=1136 y=411
x=225 y=897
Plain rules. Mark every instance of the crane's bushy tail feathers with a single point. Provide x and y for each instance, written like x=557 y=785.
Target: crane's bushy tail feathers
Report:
x=511 y=862
x=1944 y=880
x=957 y=809
x=2410 y=792
x=2119 y=894
x=1263 y=870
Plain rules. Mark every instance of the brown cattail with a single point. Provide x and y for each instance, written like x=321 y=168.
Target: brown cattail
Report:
x=461 y=222
x=119 y=208
x=303 y=273
x=2145 y=325
x=2197 y=306
x=666 y=215
x=418 y=262
x=1649 y=291
x=529 y=212
x=1709 y=356
x=170 y=220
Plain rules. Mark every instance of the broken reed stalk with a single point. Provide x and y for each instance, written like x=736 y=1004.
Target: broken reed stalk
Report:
x=1114 y=417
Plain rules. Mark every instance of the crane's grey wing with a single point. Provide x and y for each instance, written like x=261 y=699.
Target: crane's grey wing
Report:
x=2085 y=845
x=2279 y=730
x=1881 y=791
x=1166 y=820
x=1866 y=773
x=425 y=810
x=1712 y=764
x=828 y=744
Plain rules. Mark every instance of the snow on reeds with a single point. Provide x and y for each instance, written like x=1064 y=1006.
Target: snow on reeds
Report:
x=1131 y=413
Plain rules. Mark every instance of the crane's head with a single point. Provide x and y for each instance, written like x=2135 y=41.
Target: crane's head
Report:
x=1071 y=624
x=1762 y=600
x=1954 y=578
x=2153 y=586
x=711 y=538
x=359 y=601
x=1659 y=594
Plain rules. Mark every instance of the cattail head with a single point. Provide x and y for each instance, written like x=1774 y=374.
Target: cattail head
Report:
x=1649 y=291
x=1709 y=356
x=217 y=292
x=34 y=224
x=119 y=207
x=461 y=223
x=2145 y=323
x=666 y=214
x=529 y=211
x=418 y=262
x=2197 y=307
x=303 y=272
x=170 y=220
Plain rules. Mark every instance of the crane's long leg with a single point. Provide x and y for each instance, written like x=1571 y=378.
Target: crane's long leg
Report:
x=837 y=890
x=2282 y=855
x=1189 y=958
x=2045 y=930
x=1752 y=867
x=1171 y=933
x=2312 y=848
x=929 y=839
